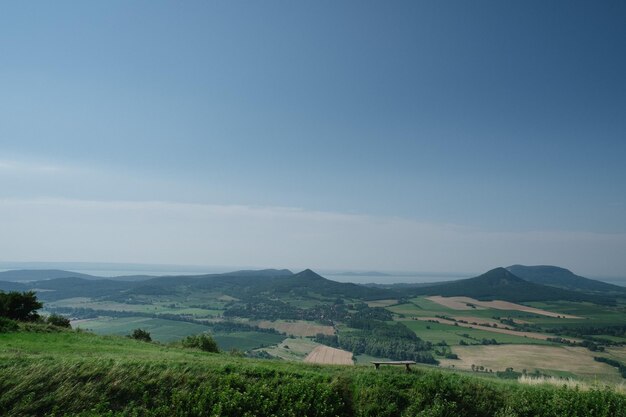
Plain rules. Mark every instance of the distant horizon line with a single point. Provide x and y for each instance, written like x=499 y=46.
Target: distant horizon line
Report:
x=208 y=269
x=114 y=266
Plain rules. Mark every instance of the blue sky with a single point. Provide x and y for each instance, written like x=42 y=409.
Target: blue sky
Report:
x=475 y=133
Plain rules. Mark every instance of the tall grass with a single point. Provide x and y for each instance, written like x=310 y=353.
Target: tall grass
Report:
x=570 y=383
x=63 y=374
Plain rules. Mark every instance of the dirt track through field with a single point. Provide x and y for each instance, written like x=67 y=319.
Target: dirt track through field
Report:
x=461 y=303
x=329 y=356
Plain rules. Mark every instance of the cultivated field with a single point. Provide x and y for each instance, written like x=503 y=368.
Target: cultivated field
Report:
x=479 y=320
x=161 y=330
x=329 y=356
x=246 y=340
x=618 y=353
x=558 y=359
x=501 y=330
x=455 y=303
x=382 y=303
x=461 y=303
x=292 y=349
x=156 y=308
x=296 y=328
x=453 y=335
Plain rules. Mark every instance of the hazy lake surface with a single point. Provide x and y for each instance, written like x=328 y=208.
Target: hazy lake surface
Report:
x=390 y=278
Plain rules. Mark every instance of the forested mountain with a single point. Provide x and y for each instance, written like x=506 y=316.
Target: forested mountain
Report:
x=237 y=284
x=501 y=284
x=555 y=276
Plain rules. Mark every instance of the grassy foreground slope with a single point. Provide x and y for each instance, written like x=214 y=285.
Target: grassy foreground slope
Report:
x=57 y=373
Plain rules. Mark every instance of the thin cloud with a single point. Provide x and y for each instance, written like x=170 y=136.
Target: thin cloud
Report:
x=30 y=167
x=209 y=234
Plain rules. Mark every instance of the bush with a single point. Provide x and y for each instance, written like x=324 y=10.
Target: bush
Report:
x=59 y=321
x=139 y=334
x=7 y=325
x=202 y=341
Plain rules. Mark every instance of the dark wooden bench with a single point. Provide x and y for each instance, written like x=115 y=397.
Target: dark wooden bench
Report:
x=397 y=363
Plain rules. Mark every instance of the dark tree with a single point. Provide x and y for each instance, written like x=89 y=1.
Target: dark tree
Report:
x=20 y=306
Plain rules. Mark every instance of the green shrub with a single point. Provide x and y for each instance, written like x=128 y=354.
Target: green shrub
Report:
x=139 y=334
x=8 y=325
x=59 y=321
x=202 y=341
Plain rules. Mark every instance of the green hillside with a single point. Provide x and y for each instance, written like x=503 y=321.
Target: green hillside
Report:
x=562 y=278
x=237 y=284
x=501 y=284
x=48 y=372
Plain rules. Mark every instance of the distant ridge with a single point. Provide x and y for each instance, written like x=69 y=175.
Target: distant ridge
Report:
x=238 y=282
x=361 y=274
x=501 y=284
x=261 y=273
x=555 y=276
x=12 y=286
x=498 y=283
x=40 y=274
x=23 y=275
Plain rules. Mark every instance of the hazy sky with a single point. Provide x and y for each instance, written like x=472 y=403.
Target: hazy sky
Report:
x=403 y=135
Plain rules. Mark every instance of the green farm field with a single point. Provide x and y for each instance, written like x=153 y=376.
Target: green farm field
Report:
x=422 y=307
x=246 y=340
x=452 y=335
x=160 y=330
x=163 y=307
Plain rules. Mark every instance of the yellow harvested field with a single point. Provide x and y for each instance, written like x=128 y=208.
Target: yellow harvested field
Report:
x=531 y=335
x=381 y=303
x=461 y=303
x=329 y=356
x=297 y=328
x=576 y=360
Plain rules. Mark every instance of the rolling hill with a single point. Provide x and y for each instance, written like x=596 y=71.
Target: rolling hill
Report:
x=41 y=274
x=236 y=283
x=540 y=284
x=502 y=284
x=555 y=276
x=30 y=275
